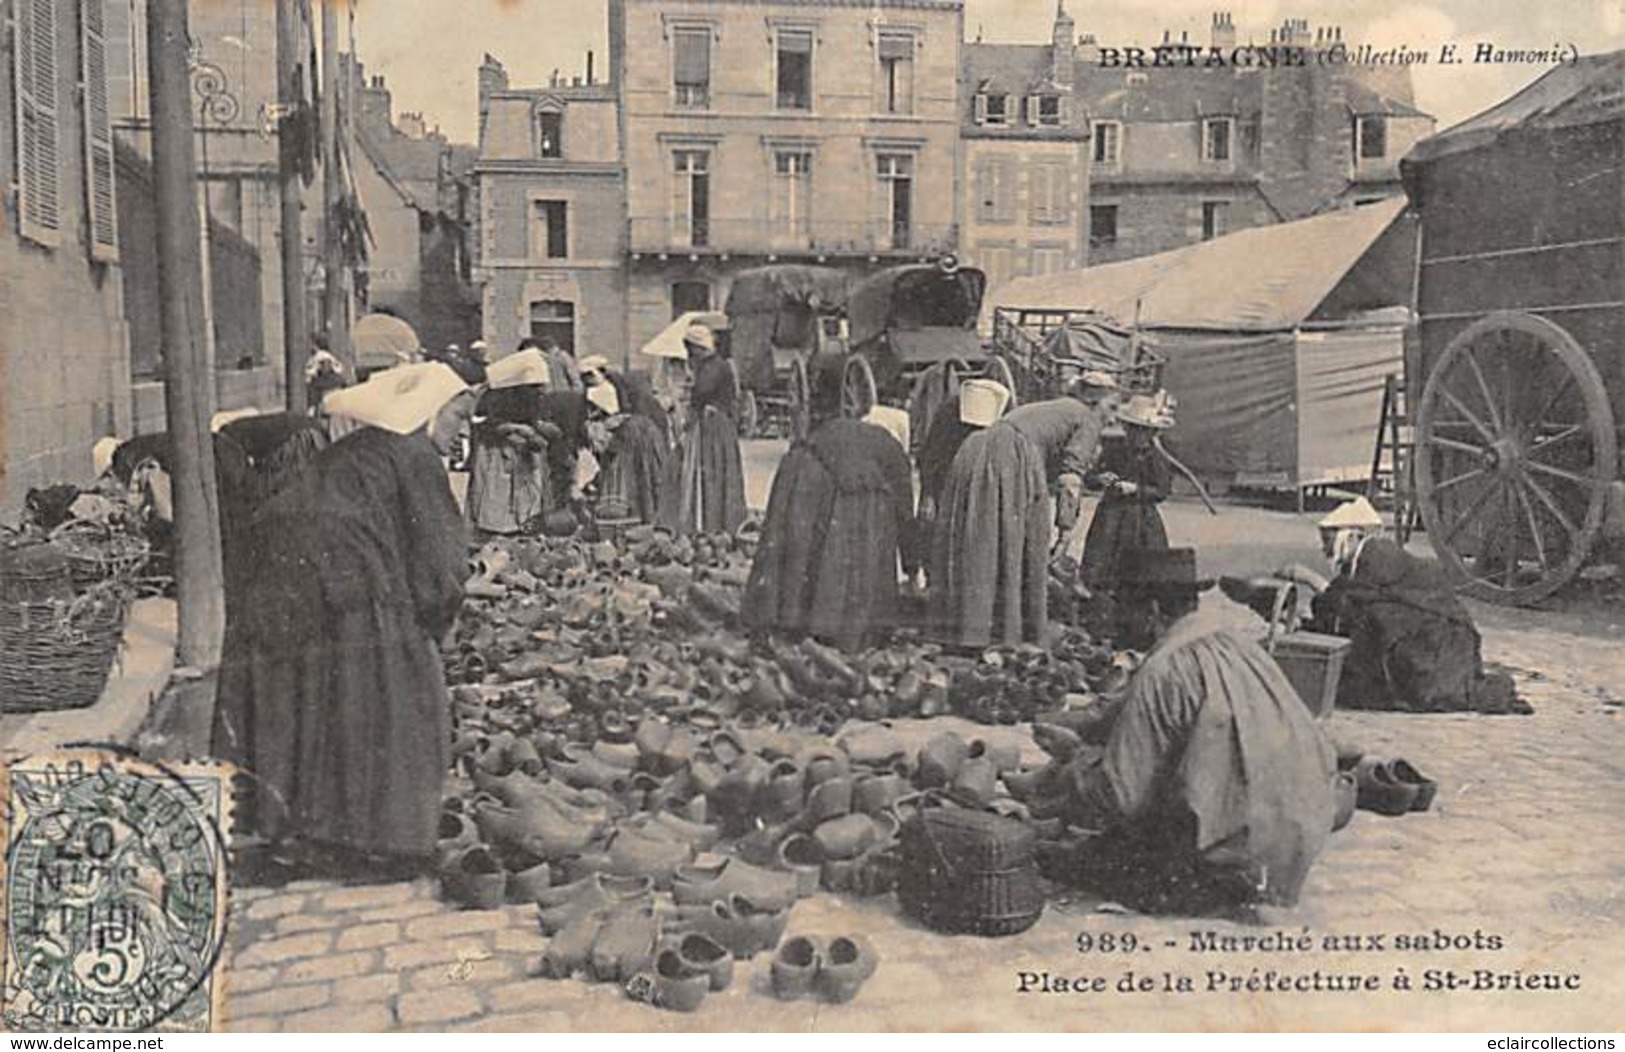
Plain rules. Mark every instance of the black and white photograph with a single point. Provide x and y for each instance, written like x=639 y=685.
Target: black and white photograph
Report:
x=697 y=516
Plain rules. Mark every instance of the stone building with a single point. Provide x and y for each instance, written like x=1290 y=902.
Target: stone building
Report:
x=1171 y=154
x=821 y=131
x=551 y=233
x=416 y=190
x=64 y=362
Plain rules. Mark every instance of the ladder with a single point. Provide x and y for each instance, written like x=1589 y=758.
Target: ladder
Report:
x=1392 y=481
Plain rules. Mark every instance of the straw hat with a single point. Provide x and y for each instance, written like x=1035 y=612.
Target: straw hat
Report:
x=700 y=336
x=1102 y=380
x=399 y=400
x=224 y=417
x=101 y=455
x=982 y=401
x=605 y=397
x=517 y=370
x=1155 y=412
x=1356 y=514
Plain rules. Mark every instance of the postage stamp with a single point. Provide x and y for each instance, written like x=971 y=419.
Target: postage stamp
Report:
x=115 y=893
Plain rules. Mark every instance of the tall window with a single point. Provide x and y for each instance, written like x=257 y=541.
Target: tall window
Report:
x=554 y=322
x=896 y=73
x=689 y=296
x=1048 y=259
x=1373 y=136
x=794 y=53
x=896 y=174
x=1217 y=133
x=550 y=134
x=998 y=263
x=1102 y=226
x=1107 y=143
x=550 y=230
x=1215 y=219
x=996 y=190
x=792 y=195
x=1049 y=194
x=691 y=67
x=691 y=197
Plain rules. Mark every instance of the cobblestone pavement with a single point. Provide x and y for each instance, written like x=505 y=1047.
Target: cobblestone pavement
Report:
x=1523 y=848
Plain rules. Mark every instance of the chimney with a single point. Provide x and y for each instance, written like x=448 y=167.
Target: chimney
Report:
x=492 y=79
x=1223 y=33
x=589 y=68
x=1062 y=55
x=1089 y=50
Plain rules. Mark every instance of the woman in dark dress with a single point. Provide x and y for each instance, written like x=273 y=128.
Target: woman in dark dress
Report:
x=509 y=486
x=838 y=519
x=707 y=485
x=634 y=462
x=332 y=696
x=1134 y=478
x=976 y=405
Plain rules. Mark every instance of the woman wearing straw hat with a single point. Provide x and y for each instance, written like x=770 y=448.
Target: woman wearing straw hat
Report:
x=1134 y=478
x=839 y=517
x=332 y=696
x=508 y=483
x=705 y=487
x=990 y=569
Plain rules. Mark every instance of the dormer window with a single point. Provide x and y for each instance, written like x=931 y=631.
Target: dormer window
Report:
x=1372 y=135
x=550 y=134
x=1218 y=135
x=1048 y=113
x=1106 y=142
x=993 y=108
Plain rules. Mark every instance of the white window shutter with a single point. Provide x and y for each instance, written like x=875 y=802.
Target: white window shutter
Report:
x=39 y=203
x=1032 y=110
x=981 y=109
x=101 y=206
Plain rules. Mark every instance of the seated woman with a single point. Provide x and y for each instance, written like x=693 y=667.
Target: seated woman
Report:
x=1214 y=791
x=508 y=484
x=1415 y=647
x=635 y=456
x=839 y=517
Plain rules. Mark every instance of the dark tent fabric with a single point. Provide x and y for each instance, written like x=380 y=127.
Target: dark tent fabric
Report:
x=915 y=297
x=778 y=306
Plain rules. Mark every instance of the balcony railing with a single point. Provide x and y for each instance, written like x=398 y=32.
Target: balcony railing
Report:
x=657 y=234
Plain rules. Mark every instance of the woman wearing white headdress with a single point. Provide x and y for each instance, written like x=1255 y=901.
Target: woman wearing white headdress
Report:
x=705 y=484
x=332 y=696
x=508 y=482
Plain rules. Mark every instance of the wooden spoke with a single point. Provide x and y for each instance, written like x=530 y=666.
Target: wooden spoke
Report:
x=1552 y=506
x=1473 y=509
x=1559 y=473
x=1541 y=445
x=1478 y=425
x=1556 y=396
x=1509 y=574
x=1534 y=525
x=1484 y=388
x=1459 y=447
x=1457 y=480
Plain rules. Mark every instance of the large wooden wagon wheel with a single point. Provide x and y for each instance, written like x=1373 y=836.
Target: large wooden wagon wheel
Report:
x=857 y=387
x=1515 y=449
x=800 y=400
x=750 y=420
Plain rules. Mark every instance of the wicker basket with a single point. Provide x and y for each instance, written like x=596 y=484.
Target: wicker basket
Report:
x=56 y=654
x=969 y=872
x=98 y=552
x=33 y=572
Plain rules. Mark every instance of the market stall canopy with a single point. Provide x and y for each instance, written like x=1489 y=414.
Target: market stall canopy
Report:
x=383 y=341
x=915 y=297
x=1582 y=92
x=668 y=343
x=1264 y=279
x=823 y=290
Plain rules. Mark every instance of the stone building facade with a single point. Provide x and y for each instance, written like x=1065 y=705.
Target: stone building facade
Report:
x=1171 y=154
x=551 y=232
x=64 y=359
x=815 y=131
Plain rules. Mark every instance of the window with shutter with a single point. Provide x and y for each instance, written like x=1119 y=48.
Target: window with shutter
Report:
x=34 y=68
x=100 y=205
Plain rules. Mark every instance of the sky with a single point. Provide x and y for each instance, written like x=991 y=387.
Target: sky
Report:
x=429 y=50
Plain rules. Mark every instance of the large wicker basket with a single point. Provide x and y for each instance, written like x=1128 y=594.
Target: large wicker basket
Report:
x=56 y=648
x=969 y=872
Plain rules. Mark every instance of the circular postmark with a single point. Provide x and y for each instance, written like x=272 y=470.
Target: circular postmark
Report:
x=115 y=894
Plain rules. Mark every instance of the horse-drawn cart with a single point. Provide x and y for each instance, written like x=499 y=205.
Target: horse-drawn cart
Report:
x=1520 y=355
x=779 y=317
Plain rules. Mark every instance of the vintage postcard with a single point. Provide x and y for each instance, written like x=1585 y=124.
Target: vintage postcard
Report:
x=855 y=515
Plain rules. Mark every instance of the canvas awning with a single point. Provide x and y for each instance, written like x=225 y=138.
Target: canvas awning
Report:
x=1264 y=279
